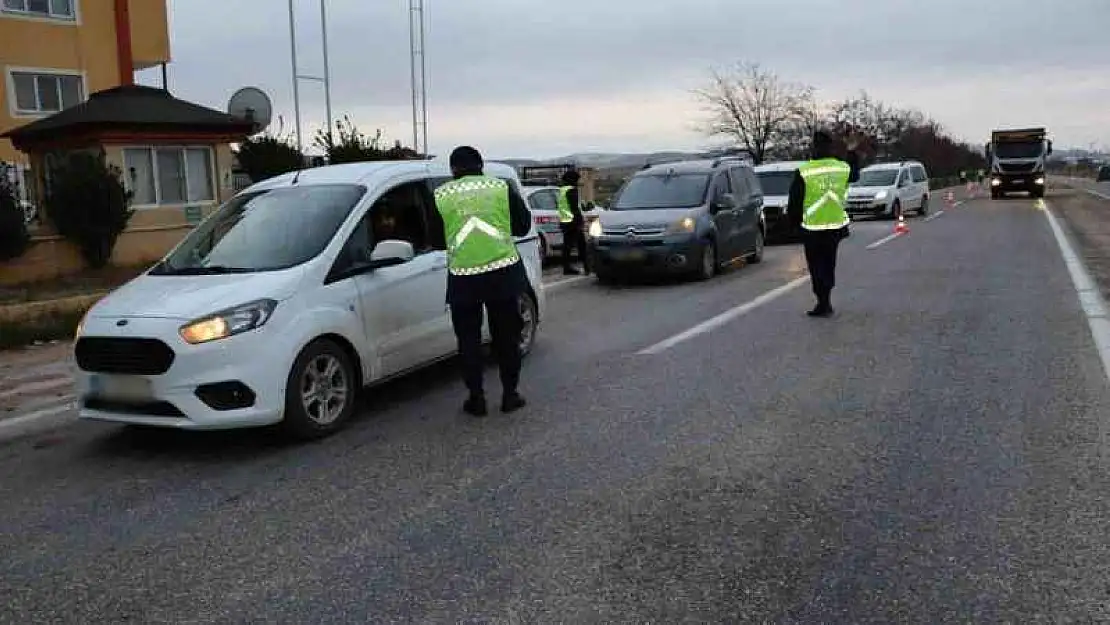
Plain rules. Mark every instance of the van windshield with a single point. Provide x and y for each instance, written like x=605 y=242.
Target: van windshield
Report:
x=876 y=178
x=264 y=231
x=1018 y=150
x=662 y=191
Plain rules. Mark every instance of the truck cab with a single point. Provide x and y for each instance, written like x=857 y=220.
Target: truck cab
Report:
x=1017 y=161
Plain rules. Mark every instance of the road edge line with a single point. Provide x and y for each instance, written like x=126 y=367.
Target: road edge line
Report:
x=1086 y=289
x=564 y=282
x=1097 y=194
x=935 y=215
x=719 y=320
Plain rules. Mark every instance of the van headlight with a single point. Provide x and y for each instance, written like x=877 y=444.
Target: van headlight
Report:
x=682 y=226
x=81 y=326
x=230 y=322
x=881 y=195
x=1039 y=180
x=595 y=228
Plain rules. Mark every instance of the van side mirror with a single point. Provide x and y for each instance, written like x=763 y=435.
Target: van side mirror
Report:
x=1049 y=152
x=391 y=252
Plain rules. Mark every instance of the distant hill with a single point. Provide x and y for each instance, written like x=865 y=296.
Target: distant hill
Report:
x=609 y=161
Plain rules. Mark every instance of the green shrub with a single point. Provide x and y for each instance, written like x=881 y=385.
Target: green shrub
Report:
x=88 y=204
x=268 y=156
x=14 y=237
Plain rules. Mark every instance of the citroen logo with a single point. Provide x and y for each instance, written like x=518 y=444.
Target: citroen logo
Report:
x=631 y=232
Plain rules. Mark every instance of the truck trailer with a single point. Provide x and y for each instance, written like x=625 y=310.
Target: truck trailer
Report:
x=1017 y=161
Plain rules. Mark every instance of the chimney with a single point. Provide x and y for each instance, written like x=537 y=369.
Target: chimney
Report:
x=123 y=43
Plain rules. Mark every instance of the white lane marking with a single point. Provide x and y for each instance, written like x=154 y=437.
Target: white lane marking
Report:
x=886 y=239
x=723 y=318
x=935 y=215
x=564 y=282
x=1086 y=289
x=22 y=420
x=1097 y=194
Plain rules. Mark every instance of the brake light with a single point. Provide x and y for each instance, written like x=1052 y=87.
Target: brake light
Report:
x=545 y=219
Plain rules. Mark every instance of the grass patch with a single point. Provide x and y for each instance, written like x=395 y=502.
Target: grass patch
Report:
x=88 y=281
x=48 y=326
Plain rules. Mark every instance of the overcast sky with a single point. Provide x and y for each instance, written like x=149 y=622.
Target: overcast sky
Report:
x=541 y=78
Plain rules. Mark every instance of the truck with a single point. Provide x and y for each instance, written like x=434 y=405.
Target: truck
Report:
x=1017 y=161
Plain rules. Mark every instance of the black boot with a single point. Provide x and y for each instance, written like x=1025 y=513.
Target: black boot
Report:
x=475 y=405
x=512 y=402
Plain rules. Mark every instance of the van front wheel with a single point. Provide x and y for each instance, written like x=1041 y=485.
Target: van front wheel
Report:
x=320 y=392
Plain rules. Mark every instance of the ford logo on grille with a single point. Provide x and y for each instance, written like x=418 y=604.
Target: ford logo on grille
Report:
x=121 y=323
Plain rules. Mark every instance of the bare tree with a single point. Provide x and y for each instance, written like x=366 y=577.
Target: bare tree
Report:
x=754 y=107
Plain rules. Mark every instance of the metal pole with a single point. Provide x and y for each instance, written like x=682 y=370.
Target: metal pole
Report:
x=423 y=85
x=327 y=71
x=412 y=72
x=296 y=80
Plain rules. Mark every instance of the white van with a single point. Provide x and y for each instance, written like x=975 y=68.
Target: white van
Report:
x=889 y=190
x=284 y=303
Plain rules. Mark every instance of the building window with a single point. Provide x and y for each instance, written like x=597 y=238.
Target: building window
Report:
x=53 y=9
x=44 y=93
x=169 y=176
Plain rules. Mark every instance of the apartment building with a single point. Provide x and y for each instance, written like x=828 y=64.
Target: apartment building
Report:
x=54 y=53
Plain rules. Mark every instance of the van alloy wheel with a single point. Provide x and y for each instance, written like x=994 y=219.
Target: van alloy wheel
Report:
x=325 y=389
x=528 y=317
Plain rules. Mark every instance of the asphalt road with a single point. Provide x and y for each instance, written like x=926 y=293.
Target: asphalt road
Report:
x=933 y=454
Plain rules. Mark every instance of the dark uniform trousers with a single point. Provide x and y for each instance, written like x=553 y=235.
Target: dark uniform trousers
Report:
x=821 y=248
x=496 y=293
x=573 y=235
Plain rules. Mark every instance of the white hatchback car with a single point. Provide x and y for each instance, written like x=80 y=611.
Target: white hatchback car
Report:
x=284 y=303
x=543 y=201
x=890 y=189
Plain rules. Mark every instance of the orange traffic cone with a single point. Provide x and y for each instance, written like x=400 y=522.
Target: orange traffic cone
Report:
x=901 y=227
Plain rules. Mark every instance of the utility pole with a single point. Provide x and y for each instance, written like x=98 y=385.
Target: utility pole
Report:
x=417 y=69
x=297 y=76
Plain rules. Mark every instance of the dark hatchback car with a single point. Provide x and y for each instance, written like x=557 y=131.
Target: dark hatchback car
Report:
x=686 y=218
x=1103 y=173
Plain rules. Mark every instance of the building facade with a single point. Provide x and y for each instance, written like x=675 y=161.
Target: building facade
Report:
x=54 y=53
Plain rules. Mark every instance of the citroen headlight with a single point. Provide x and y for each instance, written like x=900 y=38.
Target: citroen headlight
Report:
x=995 y=182
x=228 y=322
x=595 y=228
x=881 y=195
x=1039 y=180
x=685 y=225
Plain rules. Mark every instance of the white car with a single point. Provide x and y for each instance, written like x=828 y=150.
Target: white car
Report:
x=775 y=180
x=545 y=214
x=890 y=190
x=284 y=303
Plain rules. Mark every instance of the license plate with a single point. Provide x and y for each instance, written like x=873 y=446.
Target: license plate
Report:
x=631 y=255
x=124 y=387
x=1018 y=180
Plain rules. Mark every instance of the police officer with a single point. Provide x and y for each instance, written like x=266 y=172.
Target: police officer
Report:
x=816 y=204
x=481 y=215
x=571 y=223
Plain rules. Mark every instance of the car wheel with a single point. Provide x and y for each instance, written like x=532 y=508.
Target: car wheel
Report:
x=756 y=256
x=320 y=392
x=529 y=316
x=924 y=210
x=708 y=265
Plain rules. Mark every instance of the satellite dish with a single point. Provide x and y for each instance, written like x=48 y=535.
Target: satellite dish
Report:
x=253 y=105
